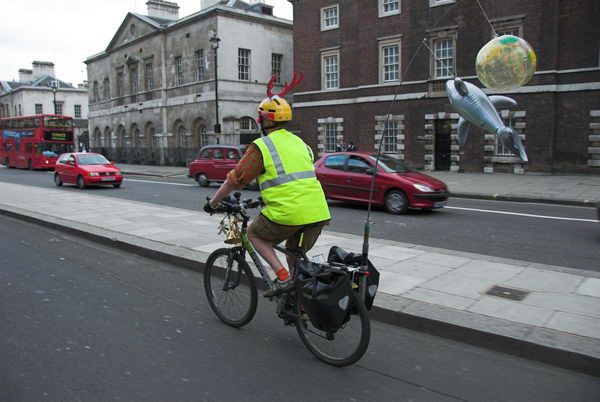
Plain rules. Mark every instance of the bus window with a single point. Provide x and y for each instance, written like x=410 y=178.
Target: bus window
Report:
x=28 y=148
x=52 y=149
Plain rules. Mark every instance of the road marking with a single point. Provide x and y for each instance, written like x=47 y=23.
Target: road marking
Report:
x=162 y=182
x=520 y=214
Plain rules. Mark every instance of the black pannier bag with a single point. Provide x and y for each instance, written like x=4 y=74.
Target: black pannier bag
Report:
x=326 y=294
x=337 y=255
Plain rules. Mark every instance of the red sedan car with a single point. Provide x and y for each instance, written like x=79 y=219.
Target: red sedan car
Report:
x=347 y=176
x=85 y=169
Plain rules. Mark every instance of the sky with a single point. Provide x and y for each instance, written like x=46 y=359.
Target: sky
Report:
x=66 y=32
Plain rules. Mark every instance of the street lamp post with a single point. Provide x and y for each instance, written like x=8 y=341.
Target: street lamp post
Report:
x=54 y=87
x=214 y=44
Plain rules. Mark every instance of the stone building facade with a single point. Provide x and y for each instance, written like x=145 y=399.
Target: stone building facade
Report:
x=365 y=60
x=152 y=91
x=38 y=91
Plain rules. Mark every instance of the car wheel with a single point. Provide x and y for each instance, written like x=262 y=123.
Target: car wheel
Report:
x=396 y=202
x=29 y=165
x=57 y=180
x=202 y=180
x=80 y=182
x=117 y=185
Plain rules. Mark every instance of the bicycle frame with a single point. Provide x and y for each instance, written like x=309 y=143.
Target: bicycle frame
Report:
x=248 y=247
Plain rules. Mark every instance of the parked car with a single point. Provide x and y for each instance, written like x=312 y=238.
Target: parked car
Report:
x=347 y=176
x=86 y=169
x=214 y=162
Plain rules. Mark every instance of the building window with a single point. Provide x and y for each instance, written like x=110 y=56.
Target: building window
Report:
x=443 y=50
x=499 y=148
x=330 y=137
x=133 y=81
x=248 y=124
x=178 y=70
x=120 y=84
x=330 y=70
x=276 y=60
x=106 y=89
x=390 y=137
x=244 y=64
x=77 y=111
x=329 y=18
x=95 y=92
x=435 y=3
x=389 y=52
x=389 y=7
x=149 y=77
x=58 y=108
x=39 y=108
x=184 y=139
x=514 y=31
x=199 y=56
x=20 y=113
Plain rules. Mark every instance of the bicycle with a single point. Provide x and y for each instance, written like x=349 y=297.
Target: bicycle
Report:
x=230 y=282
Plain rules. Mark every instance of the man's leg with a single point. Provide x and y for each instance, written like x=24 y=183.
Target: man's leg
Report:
x=265 y=249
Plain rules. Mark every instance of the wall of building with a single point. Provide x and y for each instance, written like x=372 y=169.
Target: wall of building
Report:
x=553 y=112
x=189 y=106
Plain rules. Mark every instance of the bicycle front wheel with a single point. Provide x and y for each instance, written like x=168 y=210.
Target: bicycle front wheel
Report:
x=230 y=287
x=340 y=348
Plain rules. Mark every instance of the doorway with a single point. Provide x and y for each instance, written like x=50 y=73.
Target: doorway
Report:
x=443 y=129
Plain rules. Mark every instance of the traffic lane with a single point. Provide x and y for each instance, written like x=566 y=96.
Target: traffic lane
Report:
x=477 y=228
x=84 y=321
x=144 y=188
x=565 y=243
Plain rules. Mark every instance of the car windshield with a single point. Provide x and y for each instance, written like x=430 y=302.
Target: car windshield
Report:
x=92 y=160
x=391 y=165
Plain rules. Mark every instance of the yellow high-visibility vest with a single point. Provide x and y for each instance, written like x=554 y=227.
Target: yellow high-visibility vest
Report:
x=289 y=186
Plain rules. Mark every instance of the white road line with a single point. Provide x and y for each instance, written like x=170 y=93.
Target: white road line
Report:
x=162 y=182
x=520 y=214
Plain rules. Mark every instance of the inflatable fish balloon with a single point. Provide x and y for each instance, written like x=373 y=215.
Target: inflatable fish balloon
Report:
x=477 y=108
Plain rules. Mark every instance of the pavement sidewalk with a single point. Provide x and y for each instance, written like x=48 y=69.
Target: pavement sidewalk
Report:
x=557 y=189
x=542 y=312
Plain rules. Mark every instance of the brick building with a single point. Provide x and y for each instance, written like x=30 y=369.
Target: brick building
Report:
x=153 y=89
x=354 y=53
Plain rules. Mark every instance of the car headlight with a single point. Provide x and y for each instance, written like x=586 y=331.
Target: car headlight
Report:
x=118 y=173
x=423 y=188
x=93 y=173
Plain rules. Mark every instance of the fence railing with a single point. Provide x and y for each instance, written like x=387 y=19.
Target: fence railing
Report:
x=172 y=156
x=149 y=156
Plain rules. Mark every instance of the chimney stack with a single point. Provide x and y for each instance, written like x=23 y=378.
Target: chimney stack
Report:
x=25 y=75
x=163 y=9
x=41 y=68
x=208 y=3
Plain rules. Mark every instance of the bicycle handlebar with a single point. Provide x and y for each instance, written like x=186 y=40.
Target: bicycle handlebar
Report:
x=233 y=204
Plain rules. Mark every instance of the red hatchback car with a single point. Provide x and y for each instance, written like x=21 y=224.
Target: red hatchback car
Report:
x=214 y=162
x=347 y=176
x=85 y=169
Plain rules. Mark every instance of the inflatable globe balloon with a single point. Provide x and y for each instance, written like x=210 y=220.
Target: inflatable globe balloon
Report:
x=505 y=63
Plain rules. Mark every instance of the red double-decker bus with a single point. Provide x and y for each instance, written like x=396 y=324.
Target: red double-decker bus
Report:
x=35 y=142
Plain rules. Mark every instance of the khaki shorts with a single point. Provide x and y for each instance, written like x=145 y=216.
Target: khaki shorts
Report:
x=275 y=233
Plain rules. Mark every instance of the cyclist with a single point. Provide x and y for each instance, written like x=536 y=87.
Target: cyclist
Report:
x=295 y=206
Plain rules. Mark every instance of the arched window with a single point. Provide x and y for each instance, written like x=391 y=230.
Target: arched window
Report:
x=183 y=137
x=248 y=124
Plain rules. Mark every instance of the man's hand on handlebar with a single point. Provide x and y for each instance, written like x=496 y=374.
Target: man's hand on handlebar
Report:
x=209 y=209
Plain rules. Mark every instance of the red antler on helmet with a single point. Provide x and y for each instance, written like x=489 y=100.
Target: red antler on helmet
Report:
x=296 y=79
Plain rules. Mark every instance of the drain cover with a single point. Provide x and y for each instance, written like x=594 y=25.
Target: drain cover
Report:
x=507 y=293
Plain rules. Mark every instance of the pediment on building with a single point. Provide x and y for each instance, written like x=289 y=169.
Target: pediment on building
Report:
x=133 y=27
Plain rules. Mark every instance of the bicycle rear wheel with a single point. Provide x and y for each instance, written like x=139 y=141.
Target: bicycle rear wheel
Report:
x=230 y=287
x=343 y=347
